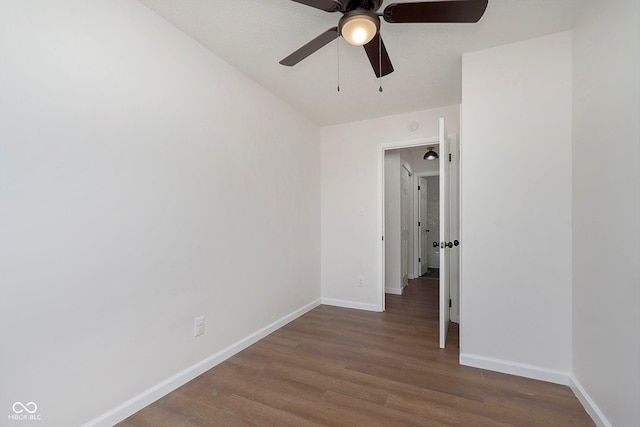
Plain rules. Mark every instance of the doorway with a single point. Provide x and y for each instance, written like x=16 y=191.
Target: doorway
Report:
x=446 y=245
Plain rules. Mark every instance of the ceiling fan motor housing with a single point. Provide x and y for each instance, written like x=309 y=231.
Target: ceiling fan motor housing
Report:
x=350 y=5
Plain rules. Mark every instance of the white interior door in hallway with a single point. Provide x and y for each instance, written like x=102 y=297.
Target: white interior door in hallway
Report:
x=428 y=225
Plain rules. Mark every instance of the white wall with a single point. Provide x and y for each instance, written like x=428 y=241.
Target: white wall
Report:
x=143 y=182
x=348 y=176
x=606 y=208
x=516 y=207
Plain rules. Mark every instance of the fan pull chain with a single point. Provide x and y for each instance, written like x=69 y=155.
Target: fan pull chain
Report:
x=380 y=61
x=338 y=43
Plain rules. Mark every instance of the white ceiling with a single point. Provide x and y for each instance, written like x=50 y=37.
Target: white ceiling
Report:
x=253 y=35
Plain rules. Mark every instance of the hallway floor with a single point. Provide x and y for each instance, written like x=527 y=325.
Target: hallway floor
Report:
x=432 y=273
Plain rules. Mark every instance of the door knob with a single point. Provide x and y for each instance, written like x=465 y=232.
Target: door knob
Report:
x=449 y=245
x=456 y=243
x=435 y=244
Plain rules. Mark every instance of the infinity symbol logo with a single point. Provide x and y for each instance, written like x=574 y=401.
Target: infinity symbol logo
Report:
x=20 y=407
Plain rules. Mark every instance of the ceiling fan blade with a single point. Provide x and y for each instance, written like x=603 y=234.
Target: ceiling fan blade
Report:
x=311 y=47
x=326 y=5
x=373 y=52
x=436 y=11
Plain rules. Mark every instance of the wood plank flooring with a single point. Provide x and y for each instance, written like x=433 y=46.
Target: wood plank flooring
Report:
x=342 y=367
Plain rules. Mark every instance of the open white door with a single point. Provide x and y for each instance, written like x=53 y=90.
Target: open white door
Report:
x=444 y=233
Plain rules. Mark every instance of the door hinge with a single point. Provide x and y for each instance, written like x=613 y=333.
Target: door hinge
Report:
x=449 y=156
x=449 y=302
x=418 y=223
x=383 y=238
x=418 y=259
x=418 y=188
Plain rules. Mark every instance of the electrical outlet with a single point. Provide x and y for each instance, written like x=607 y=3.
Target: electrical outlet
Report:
x=198 y=326
x=360 y=282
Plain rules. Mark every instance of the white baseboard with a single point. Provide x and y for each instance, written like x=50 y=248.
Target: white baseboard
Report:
x=393 y=291
x=149 y=396
x=589 y=405
x=350 y=304
x=515 y=368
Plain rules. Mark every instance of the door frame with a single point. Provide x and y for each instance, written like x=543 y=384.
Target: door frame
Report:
x=381 y=149
x=416 y=233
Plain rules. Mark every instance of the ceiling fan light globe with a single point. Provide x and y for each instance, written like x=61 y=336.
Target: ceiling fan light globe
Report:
x=359 y=35
x=359 y=30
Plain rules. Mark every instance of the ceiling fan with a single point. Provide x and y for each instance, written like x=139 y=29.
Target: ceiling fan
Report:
x=360 y=24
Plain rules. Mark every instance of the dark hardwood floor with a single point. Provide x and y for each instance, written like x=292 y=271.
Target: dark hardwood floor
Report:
x=342 y=367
